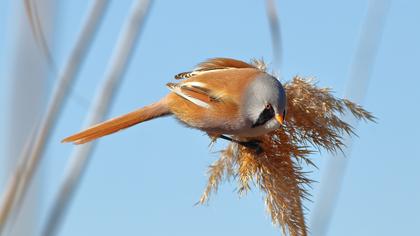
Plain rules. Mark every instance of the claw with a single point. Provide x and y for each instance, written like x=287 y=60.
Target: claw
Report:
x=253 y=144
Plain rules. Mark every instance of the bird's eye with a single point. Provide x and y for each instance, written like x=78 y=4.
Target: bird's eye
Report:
x=266 y=115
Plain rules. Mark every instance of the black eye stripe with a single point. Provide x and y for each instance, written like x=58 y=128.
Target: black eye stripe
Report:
x=266 y=115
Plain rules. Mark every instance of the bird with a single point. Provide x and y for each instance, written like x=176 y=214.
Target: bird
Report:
x=224 y=97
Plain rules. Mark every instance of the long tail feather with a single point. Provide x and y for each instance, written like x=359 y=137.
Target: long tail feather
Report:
x=116 y=124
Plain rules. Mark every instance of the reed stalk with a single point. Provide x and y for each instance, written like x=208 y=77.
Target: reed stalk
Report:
x=79 y=159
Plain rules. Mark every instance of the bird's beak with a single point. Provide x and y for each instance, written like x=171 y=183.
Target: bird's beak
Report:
x=280 y=119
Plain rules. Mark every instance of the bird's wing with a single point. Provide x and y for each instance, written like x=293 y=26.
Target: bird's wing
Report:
x=215 y=86
x=214 y=64
x=196 y=92
x=220 y=63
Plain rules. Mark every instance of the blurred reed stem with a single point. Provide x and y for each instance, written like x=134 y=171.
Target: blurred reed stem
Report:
x=118 y=64
x=275 y=31
x=20 y=180
x=360 y=74
x=38 y=31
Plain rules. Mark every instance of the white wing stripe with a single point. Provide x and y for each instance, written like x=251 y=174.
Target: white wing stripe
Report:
x=196 y=101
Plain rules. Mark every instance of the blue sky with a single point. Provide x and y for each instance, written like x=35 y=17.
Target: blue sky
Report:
x=146 y=179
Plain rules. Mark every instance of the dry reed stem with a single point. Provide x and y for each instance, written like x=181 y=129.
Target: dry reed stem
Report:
x=8 y=197
x=276 y=42
x=104 y=98
x=360 y=74
x=313 y=123
x=38 y=32
x=22 y=176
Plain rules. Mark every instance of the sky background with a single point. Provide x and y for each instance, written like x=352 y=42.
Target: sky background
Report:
x=146 y=179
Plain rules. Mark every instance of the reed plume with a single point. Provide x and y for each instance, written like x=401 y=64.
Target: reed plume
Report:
x=313 y=124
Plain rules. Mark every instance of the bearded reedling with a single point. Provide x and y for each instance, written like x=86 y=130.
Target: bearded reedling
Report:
x=222 y=97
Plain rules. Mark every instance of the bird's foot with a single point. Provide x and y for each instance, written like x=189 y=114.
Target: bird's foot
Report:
x=252 y=144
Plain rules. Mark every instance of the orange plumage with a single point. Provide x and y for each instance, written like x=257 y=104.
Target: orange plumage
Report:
x=116 y=124
x=210 y=98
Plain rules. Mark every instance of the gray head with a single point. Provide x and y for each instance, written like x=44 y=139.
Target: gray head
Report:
x=265 y=104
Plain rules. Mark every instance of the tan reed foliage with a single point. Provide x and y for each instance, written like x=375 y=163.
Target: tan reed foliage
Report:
x=313 y=123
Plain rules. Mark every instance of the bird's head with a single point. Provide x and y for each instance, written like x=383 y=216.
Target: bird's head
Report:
x=265 y=103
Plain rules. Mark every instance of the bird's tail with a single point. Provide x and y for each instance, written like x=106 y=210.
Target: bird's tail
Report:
x=146 y=113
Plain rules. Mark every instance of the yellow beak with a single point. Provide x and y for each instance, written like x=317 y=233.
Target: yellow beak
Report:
x=280 y=119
